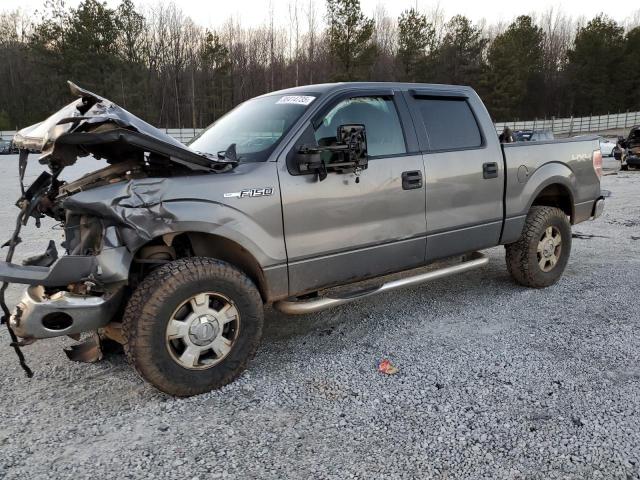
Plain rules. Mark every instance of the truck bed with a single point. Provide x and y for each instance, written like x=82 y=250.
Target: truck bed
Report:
x=533 y=166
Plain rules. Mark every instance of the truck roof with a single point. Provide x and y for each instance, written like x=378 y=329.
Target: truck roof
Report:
x=324 y=88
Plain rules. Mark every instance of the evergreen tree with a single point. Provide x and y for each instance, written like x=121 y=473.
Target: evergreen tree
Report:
x=514 y=77
x=415 y=36
x=350 y=44
x=215 y=61
x=459 y=57
x=90 y=52
x=133 y=81
x=594 y=68
x=131 y=29
x=625 y=71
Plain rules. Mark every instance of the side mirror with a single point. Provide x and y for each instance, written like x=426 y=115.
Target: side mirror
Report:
x=355 y=138
x=347 y=155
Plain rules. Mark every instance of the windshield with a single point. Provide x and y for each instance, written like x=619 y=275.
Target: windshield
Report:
x=255 y=126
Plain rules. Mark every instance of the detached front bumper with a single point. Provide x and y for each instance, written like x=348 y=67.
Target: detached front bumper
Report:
x=65 y=270
x=40 y=316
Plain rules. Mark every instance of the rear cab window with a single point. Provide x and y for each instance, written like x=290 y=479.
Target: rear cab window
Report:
x=449 y=123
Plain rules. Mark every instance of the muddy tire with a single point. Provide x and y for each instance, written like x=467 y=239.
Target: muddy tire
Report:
x=540 y=255
x=192 y=325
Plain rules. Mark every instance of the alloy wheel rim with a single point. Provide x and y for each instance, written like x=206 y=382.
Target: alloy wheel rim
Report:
x=202 y=330
x=549 y=249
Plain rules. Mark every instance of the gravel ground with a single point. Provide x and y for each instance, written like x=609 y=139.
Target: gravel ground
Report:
x=495 y=381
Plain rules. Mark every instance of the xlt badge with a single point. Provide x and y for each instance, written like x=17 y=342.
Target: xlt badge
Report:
x=251 y=192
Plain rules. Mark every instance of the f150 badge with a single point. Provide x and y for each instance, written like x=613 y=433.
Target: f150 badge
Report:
x=580 y=156
x=251 y=192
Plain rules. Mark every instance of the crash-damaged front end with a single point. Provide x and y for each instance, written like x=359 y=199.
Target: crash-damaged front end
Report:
x=78 y=292
x=83 y=289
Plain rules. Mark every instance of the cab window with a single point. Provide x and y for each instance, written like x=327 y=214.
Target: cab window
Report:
x=377 y=114
x=450 y=124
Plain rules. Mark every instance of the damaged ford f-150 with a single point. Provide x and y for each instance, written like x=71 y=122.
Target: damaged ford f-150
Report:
x=173 y=251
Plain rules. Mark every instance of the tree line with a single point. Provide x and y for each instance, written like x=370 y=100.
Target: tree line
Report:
x=158 y=63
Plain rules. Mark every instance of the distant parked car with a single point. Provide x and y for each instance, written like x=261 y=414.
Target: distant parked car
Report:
x=533 y=135
x=607 y=147
x=5 y=146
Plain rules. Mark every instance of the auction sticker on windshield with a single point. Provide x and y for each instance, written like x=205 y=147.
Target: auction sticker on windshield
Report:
x=296 y=99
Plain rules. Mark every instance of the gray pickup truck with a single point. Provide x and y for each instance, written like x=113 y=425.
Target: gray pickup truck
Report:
x=173 y=251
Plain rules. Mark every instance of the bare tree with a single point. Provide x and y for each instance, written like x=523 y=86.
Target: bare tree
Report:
x=436 y=17
x=312 y=26
x=294 y=31
x=385 y=38
x=632 y=21
x=271 y=40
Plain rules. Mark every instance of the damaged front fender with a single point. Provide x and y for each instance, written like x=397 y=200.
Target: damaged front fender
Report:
x=145 y=209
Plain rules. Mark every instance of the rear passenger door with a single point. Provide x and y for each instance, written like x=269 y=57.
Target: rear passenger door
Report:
x=464 y=172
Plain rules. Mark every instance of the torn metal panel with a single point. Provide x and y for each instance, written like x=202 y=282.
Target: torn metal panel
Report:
x=93 y=125
x=89 y=351
x=45 y=259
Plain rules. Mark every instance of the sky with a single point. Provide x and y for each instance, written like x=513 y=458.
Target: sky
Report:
x=213 y=13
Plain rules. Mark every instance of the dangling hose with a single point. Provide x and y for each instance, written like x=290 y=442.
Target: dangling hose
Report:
x=11 y=243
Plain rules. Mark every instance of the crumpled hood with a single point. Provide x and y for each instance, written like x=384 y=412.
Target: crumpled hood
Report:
x=93 y=125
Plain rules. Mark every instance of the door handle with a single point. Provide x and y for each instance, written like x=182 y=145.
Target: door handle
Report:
x=490 y=170
x=411 y=180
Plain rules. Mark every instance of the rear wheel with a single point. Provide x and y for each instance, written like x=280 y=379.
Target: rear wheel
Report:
x=540 y=255
x=192 y=325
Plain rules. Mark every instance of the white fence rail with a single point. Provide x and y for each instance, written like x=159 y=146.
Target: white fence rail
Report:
x=559 y=126
x=575 y=125
x=183 y=135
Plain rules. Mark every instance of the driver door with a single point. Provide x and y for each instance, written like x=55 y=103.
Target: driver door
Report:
x=343 y=228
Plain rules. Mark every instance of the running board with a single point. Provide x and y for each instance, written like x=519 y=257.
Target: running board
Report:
x=298 y=307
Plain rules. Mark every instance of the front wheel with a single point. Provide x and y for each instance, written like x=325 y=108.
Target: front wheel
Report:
x=540 y=255
x=192 y=325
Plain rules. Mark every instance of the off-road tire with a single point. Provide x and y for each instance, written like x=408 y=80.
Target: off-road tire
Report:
x=521 y=256
x=151 y=305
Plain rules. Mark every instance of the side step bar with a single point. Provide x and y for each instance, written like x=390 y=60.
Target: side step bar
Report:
x=298 y=307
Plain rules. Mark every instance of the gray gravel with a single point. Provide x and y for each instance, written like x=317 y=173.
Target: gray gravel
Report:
x=495 y=381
